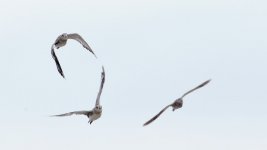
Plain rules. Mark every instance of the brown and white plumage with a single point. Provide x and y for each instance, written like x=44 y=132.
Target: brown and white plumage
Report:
x=61 y=41
x=178 y=103
x=96 y=112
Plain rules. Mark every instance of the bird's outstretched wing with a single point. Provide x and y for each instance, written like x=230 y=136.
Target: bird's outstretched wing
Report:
x=101 y=86
x=87 y=113
x=57 y=62
x=155 y=117
x=78 y=38
x=199 y=86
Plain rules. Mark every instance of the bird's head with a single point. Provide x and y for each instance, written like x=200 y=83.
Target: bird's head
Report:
x=98 y=108
x=64 y=36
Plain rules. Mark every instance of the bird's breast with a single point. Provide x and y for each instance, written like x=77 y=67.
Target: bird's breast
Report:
x=95 y=116
x=60 y=43
x=178 y=104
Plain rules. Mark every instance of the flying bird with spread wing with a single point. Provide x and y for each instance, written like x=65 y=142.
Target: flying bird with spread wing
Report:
x=96 y=112
x=178 y=103
x=62 y=41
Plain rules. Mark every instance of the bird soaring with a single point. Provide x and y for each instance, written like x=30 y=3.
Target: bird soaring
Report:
x=61 y=41
x=178 y=103
x=96 y=112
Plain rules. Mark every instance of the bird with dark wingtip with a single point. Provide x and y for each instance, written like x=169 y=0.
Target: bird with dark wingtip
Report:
x=96 y=112
x=178 y=103
x=62 y=41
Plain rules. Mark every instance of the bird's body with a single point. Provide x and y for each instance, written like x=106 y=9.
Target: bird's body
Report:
x=178 y=103
x=62 y=41
x=96 y=112
x=95 y=115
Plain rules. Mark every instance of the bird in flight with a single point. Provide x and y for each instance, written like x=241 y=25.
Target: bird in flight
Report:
x=62 y=41
x=178 y=103
x=96 y=112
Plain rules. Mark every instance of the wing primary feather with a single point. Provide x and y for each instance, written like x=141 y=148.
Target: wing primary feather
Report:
x=156 y=116
x=77 y=37
x=57 y=62
x=103 y=76
x=199 y=86
x=73 y=113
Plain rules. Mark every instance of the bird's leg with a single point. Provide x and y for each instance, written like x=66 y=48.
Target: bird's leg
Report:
x=91 y=122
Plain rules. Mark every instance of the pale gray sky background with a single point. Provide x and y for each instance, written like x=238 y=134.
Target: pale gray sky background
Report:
x=153 y=51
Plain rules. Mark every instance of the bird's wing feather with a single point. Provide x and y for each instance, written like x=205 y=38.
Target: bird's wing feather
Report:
x=75 y=113
x=78 y=38
x=57 y=62
x=199 y=86
x=101 y=86
x=155 y=117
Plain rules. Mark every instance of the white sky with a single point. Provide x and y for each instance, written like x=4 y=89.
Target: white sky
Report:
x=153 y=52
